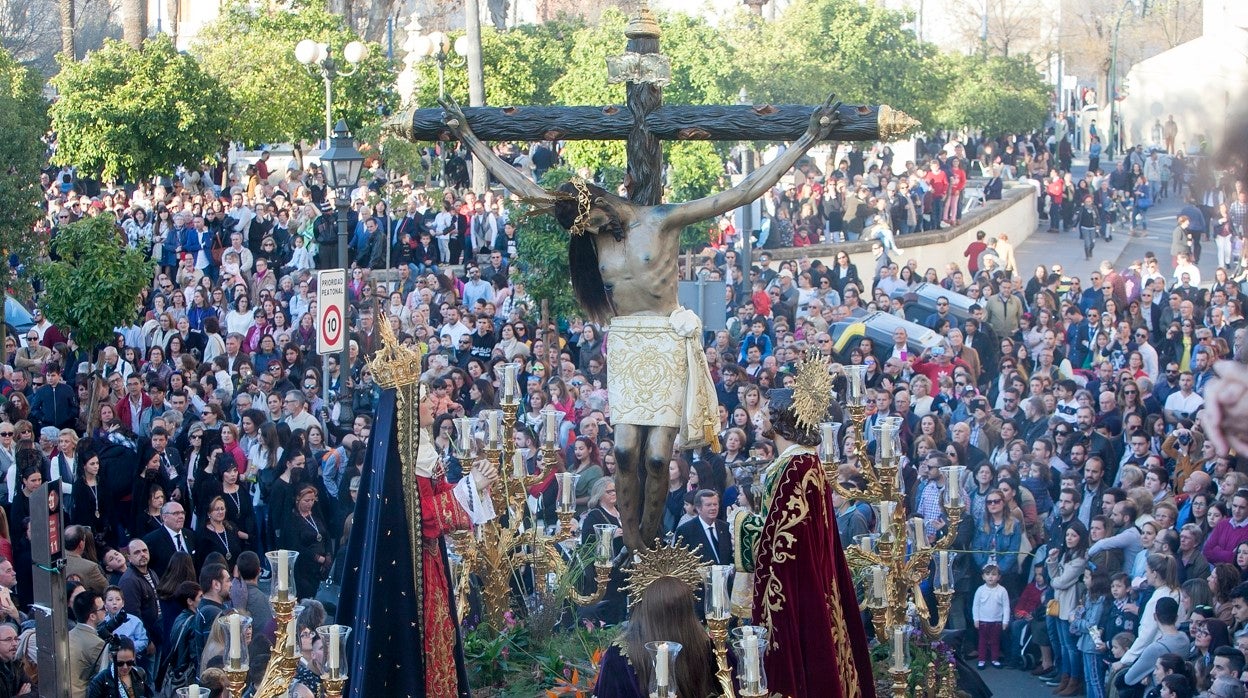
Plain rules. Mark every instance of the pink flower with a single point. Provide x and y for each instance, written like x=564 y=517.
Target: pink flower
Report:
x=510 y=619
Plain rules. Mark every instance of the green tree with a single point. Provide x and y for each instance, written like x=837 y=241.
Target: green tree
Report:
x=21 y=156
x=702 y=73
x=96 y=284
x=250 y=48
x=130 y=114
x=857 y=50
x=524 y=64
x=999 y=95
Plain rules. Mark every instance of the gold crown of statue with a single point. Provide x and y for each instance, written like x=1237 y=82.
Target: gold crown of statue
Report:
x=674 y=561
x=812 y=391
x=394 y=365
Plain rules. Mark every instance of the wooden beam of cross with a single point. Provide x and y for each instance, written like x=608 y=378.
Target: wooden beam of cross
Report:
x=643 y=123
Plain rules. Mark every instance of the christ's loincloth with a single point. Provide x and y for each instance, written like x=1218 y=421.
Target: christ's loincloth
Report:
x=657 y=376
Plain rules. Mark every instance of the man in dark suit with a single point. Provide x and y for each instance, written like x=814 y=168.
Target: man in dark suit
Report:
x=170 y=538
x=708 y=530
x=55 y=404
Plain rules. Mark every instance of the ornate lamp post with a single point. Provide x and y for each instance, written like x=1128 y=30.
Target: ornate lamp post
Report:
x=437 y=46
x=314 y=54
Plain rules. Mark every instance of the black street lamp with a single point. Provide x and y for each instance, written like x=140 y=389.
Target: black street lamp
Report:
x=342 y=163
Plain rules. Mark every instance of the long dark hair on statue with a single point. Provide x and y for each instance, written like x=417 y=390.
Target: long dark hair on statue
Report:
x=587 y=283
x=665 y=612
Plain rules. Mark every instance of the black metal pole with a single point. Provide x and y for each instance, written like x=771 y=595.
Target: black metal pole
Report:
x=344 y=361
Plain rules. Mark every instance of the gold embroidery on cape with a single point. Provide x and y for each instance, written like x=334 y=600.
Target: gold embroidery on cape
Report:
x=840 y=634
x=779 y=531
x=441 y=674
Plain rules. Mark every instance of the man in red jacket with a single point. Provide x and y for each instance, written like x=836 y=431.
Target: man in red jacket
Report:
x=938 y=181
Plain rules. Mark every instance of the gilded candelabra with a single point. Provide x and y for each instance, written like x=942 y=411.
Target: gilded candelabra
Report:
x=505 y=545
x=898 y=554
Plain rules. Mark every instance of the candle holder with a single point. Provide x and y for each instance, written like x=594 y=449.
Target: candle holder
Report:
x=235 y=628
x=751 y=674
x=663 y=654
x=508 y=386
x=899 y=661
x=604 y=534
x=334 y=638
x=282 y=565
x=283 y=661
x=716 y=603
x=717 y=628
x=550 y=427
x=197 y=691
x=567 y=493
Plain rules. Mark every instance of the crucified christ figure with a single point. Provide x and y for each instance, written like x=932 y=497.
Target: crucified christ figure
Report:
x=622 y=258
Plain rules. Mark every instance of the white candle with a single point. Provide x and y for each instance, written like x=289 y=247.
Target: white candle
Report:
x=510 y=386
x=886 y=517
x=283 y=575
x=750 y=645
x=495 y=423
x=919 y=532
x=877 y=582
x=717 y=590
x=236 y=637
x=864 y=543
x=551 y=432
x=884 y=438
x=660 y=665
x=606 y=536
x=517 y=467
x=335 y=661
x=942 y=570
x=193 y=690
x=899 y=648
x=567 y=490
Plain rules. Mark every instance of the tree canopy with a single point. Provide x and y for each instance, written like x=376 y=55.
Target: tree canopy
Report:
x=21 y=157
x=128 y=114
x=999 y=95
x=95 y=285
x=250 y=49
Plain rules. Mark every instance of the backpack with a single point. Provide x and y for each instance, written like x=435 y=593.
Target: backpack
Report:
x=181 y=666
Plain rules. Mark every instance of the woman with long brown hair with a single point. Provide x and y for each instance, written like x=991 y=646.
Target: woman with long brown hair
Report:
x=663 y=614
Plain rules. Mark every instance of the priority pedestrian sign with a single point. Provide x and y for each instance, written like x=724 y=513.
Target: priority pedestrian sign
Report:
x=331 y=304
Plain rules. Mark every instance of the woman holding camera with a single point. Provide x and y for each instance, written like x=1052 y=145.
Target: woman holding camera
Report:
x=121 y=677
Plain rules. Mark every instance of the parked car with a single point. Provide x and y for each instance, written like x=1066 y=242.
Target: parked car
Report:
x=920 y=301
x=879 y=327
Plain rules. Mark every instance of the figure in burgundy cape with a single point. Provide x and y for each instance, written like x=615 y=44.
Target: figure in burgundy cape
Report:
x=396 y=593
x=802 y=589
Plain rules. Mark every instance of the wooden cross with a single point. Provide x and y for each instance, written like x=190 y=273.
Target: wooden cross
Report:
x=643 y=123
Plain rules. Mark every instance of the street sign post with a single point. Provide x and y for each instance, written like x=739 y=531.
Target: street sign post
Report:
x=331 y=324
x=331 y=305
x=50 y=607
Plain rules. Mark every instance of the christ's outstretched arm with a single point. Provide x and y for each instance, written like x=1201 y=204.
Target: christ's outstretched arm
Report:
x=822 y=121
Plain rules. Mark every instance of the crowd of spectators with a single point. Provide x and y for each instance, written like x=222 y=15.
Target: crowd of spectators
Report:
x=212 y=442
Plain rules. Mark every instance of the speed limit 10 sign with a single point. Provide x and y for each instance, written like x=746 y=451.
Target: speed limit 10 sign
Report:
x=331 y=306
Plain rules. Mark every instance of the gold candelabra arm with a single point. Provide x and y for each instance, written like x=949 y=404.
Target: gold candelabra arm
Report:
x=498 y=493
x=718 y=629
x=333 y=686
x=465 y=547
x=859 y=558
x=943 y=601
x=953 y=515
x=281 y=668
x=548 y=463
x=602 y=575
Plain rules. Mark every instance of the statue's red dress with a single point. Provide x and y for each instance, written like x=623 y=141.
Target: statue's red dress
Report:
x=803 y=592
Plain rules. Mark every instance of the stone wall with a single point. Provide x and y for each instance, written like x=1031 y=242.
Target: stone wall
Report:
x=1015 y=215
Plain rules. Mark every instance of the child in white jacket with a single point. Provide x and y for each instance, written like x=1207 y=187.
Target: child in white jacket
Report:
x=991 y=611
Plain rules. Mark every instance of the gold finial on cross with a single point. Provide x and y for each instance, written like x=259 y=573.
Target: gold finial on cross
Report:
x=643 y=24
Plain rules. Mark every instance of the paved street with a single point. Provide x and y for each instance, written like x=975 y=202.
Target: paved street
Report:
x=1066 y=248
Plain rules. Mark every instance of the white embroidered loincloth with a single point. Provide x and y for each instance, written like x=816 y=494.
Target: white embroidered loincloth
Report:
x=657 y=375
